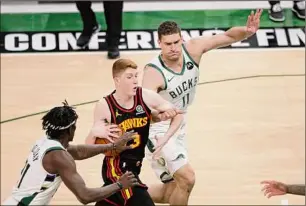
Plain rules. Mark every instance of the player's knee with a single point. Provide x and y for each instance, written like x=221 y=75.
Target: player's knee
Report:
x=186 y=179
x=169 y=189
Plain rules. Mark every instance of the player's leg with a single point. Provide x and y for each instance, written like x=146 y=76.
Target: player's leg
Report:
x=185 y=180
x=162 y=192
x=176 y=157
x=90 y=24
x=159 y=192
x=176 y=161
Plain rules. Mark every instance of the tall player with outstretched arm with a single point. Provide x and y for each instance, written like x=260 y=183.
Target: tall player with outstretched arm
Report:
x=174 y=74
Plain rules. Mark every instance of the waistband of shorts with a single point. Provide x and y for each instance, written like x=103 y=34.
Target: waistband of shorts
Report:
x=130 y=159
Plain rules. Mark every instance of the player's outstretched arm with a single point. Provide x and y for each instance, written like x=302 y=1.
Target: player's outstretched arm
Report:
x=203 y=44
x=101 y=117
x=296 y=189
x=80 y=152
x=60 y=162
x=274 y=188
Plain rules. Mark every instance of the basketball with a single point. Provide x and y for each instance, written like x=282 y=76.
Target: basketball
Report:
x=106 y=141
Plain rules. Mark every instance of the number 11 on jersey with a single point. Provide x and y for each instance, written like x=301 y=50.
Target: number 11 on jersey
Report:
x=186 y=100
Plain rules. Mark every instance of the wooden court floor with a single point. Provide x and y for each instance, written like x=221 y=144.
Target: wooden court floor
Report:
x=247 y=123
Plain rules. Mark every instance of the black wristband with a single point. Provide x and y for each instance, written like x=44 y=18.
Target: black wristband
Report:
x=119 y=185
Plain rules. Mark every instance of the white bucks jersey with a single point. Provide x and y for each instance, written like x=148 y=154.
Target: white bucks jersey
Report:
x=180 y=87
x=36 y=186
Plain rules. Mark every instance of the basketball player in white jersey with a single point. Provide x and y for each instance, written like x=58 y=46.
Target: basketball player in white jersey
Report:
x=174 y=74
x=51 y=161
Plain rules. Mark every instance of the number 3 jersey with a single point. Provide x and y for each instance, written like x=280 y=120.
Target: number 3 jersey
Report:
x=135 y=119
x=180 y=87
x=36 y=186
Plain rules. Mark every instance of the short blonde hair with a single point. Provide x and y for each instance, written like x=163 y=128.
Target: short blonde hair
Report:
x=121 y=65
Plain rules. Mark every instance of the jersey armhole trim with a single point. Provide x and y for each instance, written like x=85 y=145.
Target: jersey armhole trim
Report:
x=113 y=116
x=49 y=150
x=143 y=104
x=108 y=102
x=158 y=69
x=183 y=45
x=52 y=149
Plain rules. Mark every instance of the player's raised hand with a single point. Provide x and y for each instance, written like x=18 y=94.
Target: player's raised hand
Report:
x=127 y=180
x=253 y=22
x=273 y=188
x=120 y=144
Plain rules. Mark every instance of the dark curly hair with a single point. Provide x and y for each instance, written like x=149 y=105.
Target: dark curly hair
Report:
x=58 y=120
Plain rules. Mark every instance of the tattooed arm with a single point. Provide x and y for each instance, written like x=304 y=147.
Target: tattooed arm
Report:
x=84 y=151
x=273 y=188
x=60 y=162
x=296 y=189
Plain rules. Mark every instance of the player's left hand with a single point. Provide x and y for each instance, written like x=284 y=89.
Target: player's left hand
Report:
x=253 y=22
x=169 y=114
x=120 y=144
x=273 y=188
x=161 y=142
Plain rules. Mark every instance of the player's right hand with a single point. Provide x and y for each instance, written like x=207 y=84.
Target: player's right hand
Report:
x=128 y=180
x=273 y=188
x=120 y=143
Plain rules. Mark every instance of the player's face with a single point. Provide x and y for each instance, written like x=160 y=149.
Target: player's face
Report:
x=128 y=81
x=171 y=46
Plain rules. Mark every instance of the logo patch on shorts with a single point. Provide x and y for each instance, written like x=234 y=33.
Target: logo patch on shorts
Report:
x=161 y=161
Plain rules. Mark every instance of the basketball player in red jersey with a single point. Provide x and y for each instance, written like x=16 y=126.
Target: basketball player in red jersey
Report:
x=131 y=107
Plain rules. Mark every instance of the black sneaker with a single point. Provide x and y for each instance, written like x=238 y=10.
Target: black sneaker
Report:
x=276 y=13
x=113 y=52
x=299 y=9
x=85 y=36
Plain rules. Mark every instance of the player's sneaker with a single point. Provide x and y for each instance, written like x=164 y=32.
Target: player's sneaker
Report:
x=276 y=13
x=299 y=9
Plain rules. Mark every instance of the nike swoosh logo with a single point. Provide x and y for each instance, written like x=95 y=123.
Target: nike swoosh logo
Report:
x=169 y=80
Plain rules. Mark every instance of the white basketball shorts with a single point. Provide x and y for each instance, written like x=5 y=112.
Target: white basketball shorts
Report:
x=173 y=155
